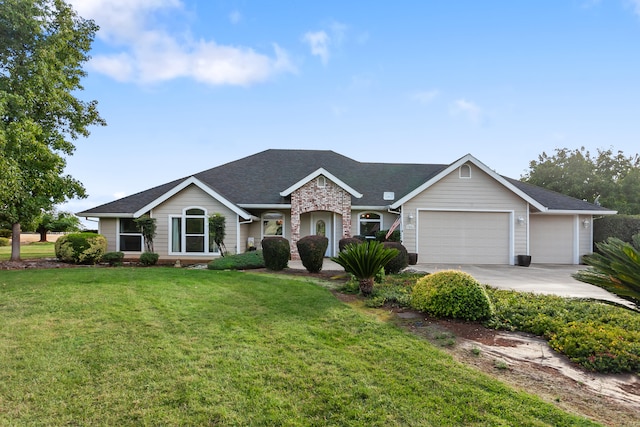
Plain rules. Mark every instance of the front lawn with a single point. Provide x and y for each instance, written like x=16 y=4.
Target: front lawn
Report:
x=165 y=346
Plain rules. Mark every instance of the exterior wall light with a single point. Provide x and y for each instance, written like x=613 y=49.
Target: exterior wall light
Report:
x=521 y=220
x=586 y=223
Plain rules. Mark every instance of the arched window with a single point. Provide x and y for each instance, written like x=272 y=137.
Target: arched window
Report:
x=465 y=171
x=272 y=224
x=189 y=232
x=369 y=223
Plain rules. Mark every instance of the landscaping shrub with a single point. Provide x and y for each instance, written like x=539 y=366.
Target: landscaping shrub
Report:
x=276 y=252
x=381 y=236
x=149 y=258
x=400 y=261
x=621 y=227
x=598 y=336
x=4 y=241
x=5 y=233
x=311 y=250
x=452 y=294
x=245 y=261
x=81 y=248
x=342 y=243
x=113 y=258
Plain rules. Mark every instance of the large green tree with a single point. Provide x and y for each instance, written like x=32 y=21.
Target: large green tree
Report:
x=43 y=46
x=54 y=221
x=609 y=178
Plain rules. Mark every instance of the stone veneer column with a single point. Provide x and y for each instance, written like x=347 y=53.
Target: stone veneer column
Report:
x=311 y=198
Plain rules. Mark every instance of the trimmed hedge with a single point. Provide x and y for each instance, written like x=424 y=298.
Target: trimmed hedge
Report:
x=453 y=294
x=245 y=261
x=311 y=250
x=113 y=258
x=382 y=234
x=400 y=262
x=342 y=243
x=276 y=252
x=5 y=233
x=4 y=241
x=149 y=258
x=621 y=227
x=81 y=248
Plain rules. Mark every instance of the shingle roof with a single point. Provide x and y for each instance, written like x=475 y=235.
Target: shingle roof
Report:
x=553 y=200
x=258 y=180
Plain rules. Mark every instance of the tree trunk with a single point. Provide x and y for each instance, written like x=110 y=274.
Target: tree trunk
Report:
x=15 y=242
x=43 y=235
x=366 y=286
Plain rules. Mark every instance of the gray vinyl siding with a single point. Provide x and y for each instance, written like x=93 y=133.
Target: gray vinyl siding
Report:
x=479 y=193
x=586 y=236
x=108 y=227
x=191 y=196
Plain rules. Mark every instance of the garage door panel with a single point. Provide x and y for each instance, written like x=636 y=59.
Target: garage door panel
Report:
x=551 y=239
x=464 y=237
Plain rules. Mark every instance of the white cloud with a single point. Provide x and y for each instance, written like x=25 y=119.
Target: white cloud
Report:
x=235 y=17
x=425 y=97
x=468 y=109
x=635 y=5
x=319 y=43
x=119 y=194
x=144 y=54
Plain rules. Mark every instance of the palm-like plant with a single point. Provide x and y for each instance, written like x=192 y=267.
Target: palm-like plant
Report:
x=616 y=268
x=364 y=261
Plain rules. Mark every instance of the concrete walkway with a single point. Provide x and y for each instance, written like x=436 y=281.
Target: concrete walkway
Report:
x=539 y=278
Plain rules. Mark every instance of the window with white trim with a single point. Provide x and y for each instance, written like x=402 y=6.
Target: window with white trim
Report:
x=129 y=236
x=272 y=224
x=369 y=223
x=190 y=232
x=465 y=171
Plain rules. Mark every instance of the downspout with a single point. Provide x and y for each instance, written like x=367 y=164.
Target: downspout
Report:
x=251 y=219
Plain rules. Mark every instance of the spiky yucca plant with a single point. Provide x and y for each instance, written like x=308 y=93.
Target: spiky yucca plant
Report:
x=364 y=261
x=616 y=268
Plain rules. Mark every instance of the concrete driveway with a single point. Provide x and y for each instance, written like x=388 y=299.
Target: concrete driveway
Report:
x=539 y=278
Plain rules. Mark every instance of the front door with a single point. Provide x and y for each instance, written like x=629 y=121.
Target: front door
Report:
x=322 y=225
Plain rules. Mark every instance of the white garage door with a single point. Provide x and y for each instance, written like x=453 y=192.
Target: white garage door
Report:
x=551 y=239
x=464 y=237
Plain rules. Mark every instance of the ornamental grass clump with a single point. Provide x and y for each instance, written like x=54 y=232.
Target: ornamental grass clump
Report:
x=311 y=250
x=364 y=261
x=81 y=248
x=452 y=294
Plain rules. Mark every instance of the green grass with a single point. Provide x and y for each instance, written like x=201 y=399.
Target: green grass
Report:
x=165 y=346
x=30 y=251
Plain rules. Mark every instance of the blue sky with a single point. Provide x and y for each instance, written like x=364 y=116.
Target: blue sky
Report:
x=186 y=85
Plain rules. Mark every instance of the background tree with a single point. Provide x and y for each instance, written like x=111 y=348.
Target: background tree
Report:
x=43 y=45
x=55 y=221
x=609 y=178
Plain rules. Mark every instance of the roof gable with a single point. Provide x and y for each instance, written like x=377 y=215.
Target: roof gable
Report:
x=184 y=184
x=317 y=173
x=455 y=165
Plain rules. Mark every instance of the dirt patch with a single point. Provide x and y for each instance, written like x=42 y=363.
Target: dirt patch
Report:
x=35 y=263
